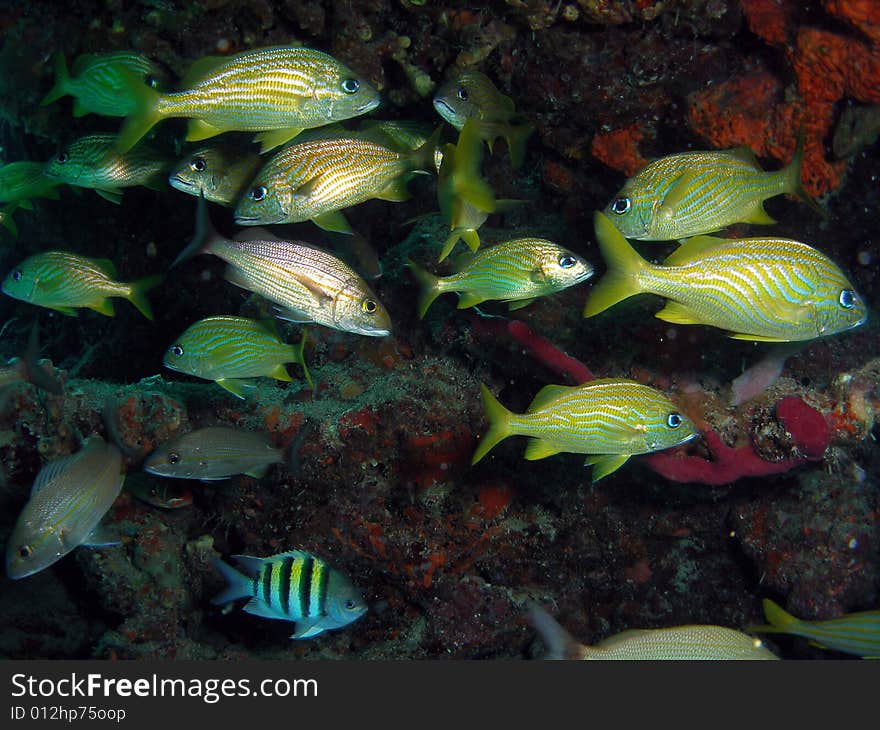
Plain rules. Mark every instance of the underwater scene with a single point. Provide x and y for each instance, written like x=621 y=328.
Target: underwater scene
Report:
x=398 y=329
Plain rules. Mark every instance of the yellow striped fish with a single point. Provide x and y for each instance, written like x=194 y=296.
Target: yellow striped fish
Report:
x=99 y=84
x=610 y=419
x=307 y=283
x=682 y=643
x=852 y=633
x=692 y=193
x=313 y=180
x=93 y=162
x=229 y=350
x=213 y=453
x=24 y=180
x=221 y=172
x=516 y=271
x=277 y=91
x=763 y=289
x=292 y=586
x=62 y=281
x=68 y=499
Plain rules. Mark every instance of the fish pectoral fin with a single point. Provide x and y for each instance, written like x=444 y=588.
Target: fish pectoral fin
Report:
x=678 y=314
x=276 y=137
x=469 y=299
x=759 y=216
x=547 y=395
x=111 y=195
x=519 y=304
x=258 y=472
x=236 y=386
x=258 y=607
x=198 y=130
x=540 y=449
x=676 y=195
x=308 y=628
x=105 y=307
x=396 y=191
x=101 y=536
x=605 y=464
x=293 y=315
x=333 y=221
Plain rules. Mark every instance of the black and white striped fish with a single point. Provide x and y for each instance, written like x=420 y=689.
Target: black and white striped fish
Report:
x=293 y=586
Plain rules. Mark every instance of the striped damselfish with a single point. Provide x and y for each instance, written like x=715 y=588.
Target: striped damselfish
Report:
x=229 y=350
x=292 y=586
x=277 y=91
x=62 y=281
x=764 y=289
x=516 y=271
x=684 y=643
x=220 y=171
x=610 y=419
x=693 y=193
x=68 y=499
x=852 y=633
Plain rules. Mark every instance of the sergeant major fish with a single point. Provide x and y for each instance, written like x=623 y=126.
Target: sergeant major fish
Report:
x=610 y=419
x=213 y=453
x=516 y=271
x=292 y=586
x=68 y=499
x=277 y=91
x=62 y=281
x=229 y=350
x=763 y=289
x=221 y=172
x=693 y=193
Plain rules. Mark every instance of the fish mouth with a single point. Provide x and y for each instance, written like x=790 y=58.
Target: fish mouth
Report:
x=443 y=108
x=368 y=106
x=175 y=181
x=251 y=220
x=374 y=333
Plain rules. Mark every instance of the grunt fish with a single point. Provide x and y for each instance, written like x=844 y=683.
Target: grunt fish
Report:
x=62 y=281
x=516 y=271
x=292 y=586
x=98 y=83
x=610 y=419
x=314 y=180
x=228 y=350
x=693 y=193
x=472 y=95
x=93 y=162
x=221 y=172
x=764 y=289
x=852 y=633
x=277 y=91
x=21 y=181
x=213 y=453
x=68 y=499
x=683 y=643
x=159 y=492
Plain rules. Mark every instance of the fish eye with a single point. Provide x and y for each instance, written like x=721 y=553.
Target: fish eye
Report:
x=350 y=86
x=16 y=275
x=173 y=457
x=151 y=81
x=198 y=164
x=462 y=93
x=847 y=299
x=369 y=306
x=62 y=158
x=674 y=420
x=566 y=262
x=258 y=193
x=621 y=206
x=349 y=604
x=25 y=551
x=176 y=350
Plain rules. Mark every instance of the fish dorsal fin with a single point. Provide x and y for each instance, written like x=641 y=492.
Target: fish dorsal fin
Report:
x=51 y=471
x=621 y=638
x=200 y=68
x=540 y=449
x=547 y=395
x=289 y=554
x=745 y=154
x=107 y=266
x=692 y=249
x=676 y=194
x=605 y=464
x=248 y=564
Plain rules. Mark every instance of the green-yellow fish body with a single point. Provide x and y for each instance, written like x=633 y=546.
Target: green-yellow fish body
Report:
x=763 y=289
x=516 y=271
x=221 y=171
x=93 y=162
x=472 y=95
x=314 y=180
x=852 y=633
x=63 y=281
x=609 y=419
x=99 y=83
x=277 y=91
x=24 y=180
x=68 y=500
x=683 y=643
x=230 y=350
x=693 y=193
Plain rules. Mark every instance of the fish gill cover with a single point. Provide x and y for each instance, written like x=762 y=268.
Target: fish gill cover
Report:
x=365 y=467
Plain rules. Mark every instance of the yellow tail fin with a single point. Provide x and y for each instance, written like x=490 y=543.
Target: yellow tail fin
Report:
x=621 y=280
x=792 y=175
x=145 y=115
x=138 y=294
x=61 y=78
x=499 y=424
x=430 y=286
x=781 y=622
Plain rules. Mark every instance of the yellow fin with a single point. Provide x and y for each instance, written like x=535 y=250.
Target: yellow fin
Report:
x=279 y=372
x=759 y=216
x=745 y=154
x=198 y=130
x=396 y=191
x=276 y=137
x=333 y=221
x=755 y=338
x=676 y=194
x=236 y=386
x=540 y=449
x=547 y=395
x=105 y=307
x=200 y=68
x=692 y=249
x=605 y=464
x=621 y=280
x=469 y=299
x=430 y=287
x=499 y=424
x=678 y=314
x=519 y=303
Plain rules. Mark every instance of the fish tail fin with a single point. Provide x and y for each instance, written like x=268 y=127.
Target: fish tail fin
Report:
x=780 y=620
x=558 y=642
x=146 y=112
x=137 y=294
x=469 y=184
x=239 y=584
x=791 y=176
x=516 y=137
x=8 y=222
x=300 y=357
x=499 y=424
x=205 y=234
x=423 y=157
x=621 y=280
x=61 y=79
x=430 y=286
